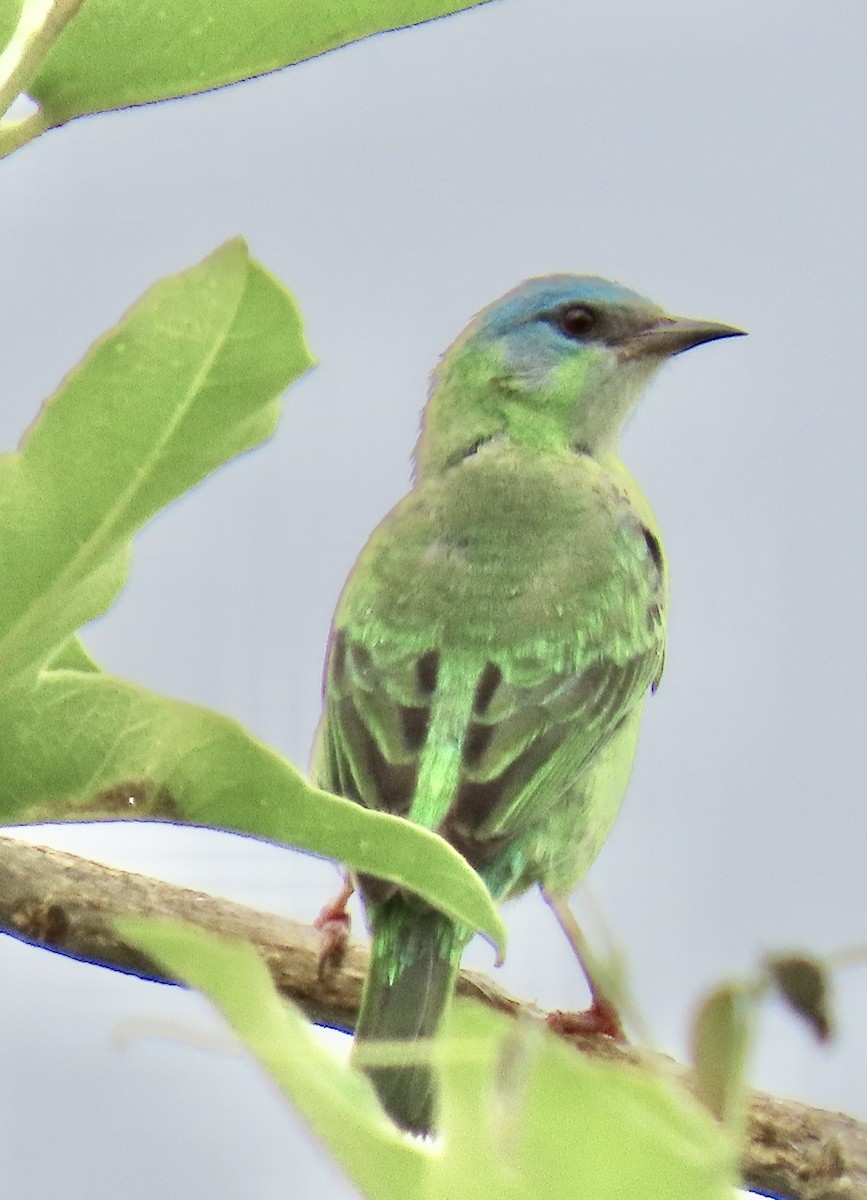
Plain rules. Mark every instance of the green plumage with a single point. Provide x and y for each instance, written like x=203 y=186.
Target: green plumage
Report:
x=494 y=644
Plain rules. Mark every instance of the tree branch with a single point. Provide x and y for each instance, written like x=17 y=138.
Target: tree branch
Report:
x=68 y=904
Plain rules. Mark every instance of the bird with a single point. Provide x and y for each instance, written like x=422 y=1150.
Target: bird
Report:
x=493 y=646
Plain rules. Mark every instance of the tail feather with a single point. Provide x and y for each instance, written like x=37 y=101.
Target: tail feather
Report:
x=414 y=961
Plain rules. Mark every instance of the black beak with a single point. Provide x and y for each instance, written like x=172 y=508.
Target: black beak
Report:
x=673 y=335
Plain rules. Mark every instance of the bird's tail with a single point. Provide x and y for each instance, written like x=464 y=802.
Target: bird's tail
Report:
x=414 y=960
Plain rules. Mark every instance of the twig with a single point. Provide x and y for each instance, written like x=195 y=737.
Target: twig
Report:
x=68 y=904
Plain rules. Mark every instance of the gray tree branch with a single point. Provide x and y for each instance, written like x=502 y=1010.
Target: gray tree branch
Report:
x=68 y=904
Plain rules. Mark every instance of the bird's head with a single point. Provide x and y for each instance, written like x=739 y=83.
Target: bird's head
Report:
x=558 y=362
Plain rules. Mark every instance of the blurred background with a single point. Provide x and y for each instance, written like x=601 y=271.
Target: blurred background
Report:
x=710 y=156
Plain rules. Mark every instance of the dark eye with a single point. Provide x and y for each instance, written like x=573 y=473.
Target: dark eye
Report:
x=576 y=321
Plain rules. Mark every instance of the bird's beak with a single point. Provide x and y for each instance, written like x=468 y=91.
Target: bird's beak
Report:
x=673 y=335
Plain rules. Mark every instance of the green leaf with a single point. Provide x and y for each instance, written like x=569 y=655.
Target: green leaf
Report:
x=543 y=1121
x=72 y=656
x=190 y=377
x=10 y=13
x=117 y=53
x=804 y=984
x=575 y=1127
x=80 y=745
x=336 y=1101
x=720 y=1038
x=28 y=30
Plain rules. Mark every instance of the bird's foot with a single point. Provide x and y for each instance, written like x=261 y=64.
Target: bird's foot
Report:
x=601 y=1018
x=334 y=924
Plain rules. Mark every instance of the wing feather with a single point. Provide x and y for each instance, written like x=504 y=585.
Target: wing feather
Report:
x=524 y=665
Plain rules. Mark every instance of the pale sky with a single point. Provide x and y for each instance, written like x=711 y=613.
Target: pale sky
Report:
x=709 y=156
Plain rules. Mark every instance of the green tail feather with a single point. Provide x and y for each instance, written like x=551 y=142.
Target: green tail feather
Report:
x=414 y=961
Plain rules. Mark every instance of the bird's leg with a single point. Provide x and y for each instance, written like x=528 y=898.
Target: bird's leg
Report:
x=334 y=923
x=602 y=1015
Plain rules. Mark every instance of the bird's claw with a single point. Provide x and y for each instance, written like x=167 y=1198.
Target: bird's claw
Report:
x=600 y=1019
x=334 y=924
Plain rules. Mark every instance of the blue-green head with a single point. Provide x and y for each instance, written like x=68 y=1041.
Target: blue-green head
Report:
x=557 y=363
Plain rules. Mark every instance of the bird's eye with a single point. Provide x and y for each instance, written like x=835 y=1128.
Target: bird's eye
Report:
x=576 y=321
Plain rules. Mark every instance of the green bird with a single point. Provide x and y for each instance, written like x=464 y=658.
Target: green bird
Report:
x=494 y=643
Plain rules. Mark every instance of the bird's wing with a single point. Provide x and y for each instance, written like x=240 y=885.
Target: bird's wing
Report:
x=527 y=748
x=469 y=682
x=521 y=741
x=524 y=742
x=373 y=726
